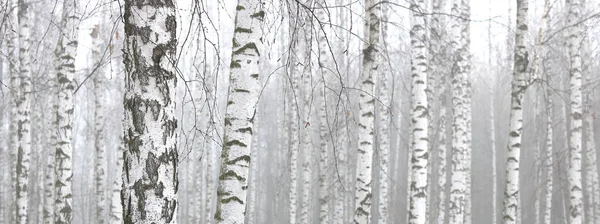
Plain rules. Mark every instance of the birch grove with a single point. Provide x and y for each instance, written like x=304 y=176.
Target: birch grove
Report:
x=303 y=111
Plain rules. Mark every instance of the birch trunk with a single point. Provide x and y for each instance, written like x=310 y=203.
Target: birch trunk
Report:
x=116 y=210
x=324 y=65
x=100 y=160
x=252 y=195
x=306 y=147
x=459 y=209
x=438 y=62
x=575 y=140
x=24 y=112
x=591 y=170
x=50 y=175
x=420 y=119
x=384 y=124
x=242 y=100
x=549 y=165
x=511 y=190
x=294 y=116
x=149 y=193
x=13 y=68
x=366 y=103
x=294 y=144
x=492 y=100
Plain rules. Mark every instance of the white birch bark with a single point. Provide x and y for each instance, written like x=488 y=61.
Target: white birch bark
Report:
x=438 y=60
x=65 y=53
x=364 y=159
x=549 y=164
x=116 y=210
x=324 y=65
x=419 y=116
x=252 y=204
x=511 y=190
x=50 y=175
x=591 y=170
x=492 y=100
x=150 y=181
x=575 y=139
x=294 y=143
x=242 y=100
x=100 y=150
x=24 y=112
x=384 y=125
x=13 y=68
x=459 y=209
x=306 y=147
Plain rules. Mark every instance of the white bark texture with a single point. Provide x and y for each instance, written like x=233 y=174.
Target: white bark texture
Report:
x=65 y=74
x=13 y=68
x=306 y=146
x=100 y=160
x=150 y=183
x=419 y=115
x=116 y=210
x=253 y=176
x=575 y=139
x=519 y=85
x=324 y=65
x=384 y=125
x=549 y=164
x=244 y=87
x=294 y=143
x=438 y=61
x=24 y=112
x=364 y=159
x=459 y=209
x=591 y=170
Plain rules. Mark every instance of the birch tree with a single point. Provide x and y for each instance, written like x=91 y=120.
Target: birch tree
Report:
x=591 y=166
x=149 y=193
x=575 y=139
x=518 y=87
x=459 y=208
x=13 y=68
x=242 y=100
x=549 y=165
x=65 y=74
x=438 y=61
x=324 y=63
x=366 y=102
x=100 y=160
x=24 y=111
x=384 y=124
x=116 y=210
x=419 y=116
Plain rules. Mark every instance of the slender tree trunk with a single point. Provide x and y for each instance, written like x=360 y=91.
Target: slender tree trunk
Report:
x=460 y=206
x=438 y=62
x=364 y=159
x=511 y=190
x=420 y=120
x=150 y=181
x=252 y=194
x=242 y=100
x=575 y=139
x=549 y=164
x=100 y=160
x=492 y=100
x=324 y=127
x=116 y=210
x=294 y=116
x=306 y=146
x=591 y=169
x=24 y=112
x=383 y=128
x=13 y=68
